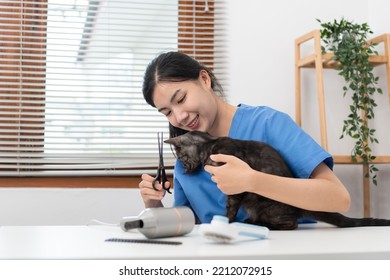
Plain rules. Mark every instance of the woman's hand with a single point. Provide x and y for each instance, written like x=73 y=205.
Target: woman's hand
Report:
x=322 y=192
x=231 y=177
x=151 y=197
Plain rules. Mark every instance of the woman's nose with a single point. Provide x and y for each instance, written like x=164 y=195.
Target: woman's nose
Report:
x=181 y=117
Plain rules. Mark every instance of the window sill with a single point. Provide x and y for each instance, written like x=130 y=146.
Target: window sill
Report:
x=73 y=182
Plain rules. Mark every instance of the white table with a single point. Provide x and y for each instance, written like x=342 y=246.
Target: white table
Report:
x=309 y=241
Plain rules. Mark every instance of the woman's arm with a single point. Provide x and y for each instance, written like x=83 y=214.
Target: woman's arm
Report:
x=322 y=192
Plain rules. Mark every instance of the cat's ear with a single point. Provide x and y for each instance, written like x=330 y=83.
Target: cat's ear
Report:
x=173 y=141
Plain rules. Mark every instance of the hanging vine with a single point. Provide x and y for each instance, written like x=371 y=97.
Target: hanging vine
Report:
x=348 y=42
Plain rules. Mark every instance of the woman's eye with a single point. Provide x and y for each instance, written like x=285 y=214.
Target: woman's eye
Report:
x=167 y=114
x=181 y=100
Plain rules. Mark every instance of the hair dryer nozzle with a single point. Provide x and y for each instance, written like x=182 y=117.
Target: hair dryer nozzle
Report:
x=129 y=223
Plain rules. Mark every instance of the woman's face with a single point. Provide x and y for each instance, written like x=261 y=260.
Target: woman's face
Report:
x=189 y=105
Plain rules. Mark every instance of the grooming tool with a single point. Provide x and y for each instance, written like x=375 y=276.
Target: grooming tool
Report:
x=161 y=222
x=221 y=231
x=161 y=177
x=145 y=241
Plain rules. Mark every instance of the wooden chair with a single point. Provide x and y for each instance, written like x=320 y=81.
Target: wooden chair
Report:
x=319 y=61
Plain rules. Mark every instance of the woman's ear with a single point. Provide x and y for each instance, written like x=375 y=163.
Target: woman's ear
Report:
x=205 y=78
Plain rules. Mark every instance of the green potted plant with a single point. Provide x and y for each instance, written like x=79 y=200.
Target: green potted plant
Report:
x=348 y=43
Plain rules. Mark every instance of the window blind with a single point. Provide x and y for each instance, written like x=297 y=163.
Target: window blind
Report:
x=71 y=76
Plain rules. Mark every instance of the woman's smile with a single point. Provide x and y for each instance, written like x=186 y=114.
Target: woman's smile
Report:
x=194 y=123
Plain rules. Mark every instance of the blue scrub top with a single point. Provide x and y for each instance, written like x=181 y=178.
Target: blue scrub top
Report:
x=299 y=150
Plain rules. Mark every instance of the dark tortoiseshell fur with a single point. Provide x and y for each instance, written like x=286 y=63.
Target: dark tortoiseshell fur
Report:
x=194 y=150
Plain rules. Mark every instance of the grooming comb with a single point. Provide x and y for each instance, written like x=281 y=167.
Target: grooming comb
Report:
x=145 y=241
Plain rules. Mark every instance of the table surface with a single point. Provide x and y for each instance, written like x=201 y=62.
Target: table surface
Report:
x=309 y=241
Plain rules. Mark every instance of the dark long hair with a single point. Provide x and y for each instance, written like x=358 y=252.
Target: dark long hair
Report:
x=174 y=67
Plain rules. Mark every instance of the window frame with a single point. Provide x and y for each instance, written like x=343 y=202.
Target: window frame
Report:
x=34 y=17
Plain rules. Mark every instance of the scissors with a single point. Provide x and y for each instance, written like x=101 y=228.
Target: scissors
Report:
x=161 y=177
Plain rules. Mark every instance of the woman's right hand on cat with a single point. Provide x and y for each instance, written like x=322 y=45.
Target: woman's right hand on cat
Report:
x=151 y=197
x=225 y=176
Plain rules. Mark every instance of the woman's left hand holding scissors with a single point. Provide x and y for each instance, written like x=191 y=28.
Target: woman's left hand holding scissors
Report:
x=152 y=198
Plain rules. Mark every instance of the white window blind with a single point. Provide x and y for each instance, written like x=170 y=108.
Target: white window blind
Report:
x=71 y=76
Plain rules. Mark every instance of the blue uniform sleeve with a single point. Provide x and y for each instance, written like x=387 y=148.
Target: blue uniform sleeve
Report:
x=301 y=152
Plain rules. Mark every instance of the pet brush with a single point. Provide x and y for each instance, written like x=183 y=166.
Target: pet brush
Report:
x=221 y=231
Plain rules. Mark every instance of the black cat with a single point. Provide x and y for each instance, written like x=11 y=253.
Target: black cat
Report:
x=194 y=149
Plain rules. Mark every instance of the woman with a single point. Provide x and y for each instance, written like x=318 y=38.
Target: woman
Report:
x=189 y=95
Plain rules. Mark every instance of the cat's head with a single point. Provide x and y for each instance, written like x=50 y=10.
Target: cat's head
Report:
x=192 y=149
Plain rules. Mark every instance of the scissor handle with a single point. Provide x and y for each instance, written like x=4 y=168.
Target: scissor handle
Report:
x=161 y=178
x=154 y=183
x=164 y=179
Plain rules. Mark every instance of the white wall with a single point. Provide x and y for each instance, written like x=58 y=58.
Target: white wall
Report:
x=261 y=37
x=262 y=73
x=41 y=206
